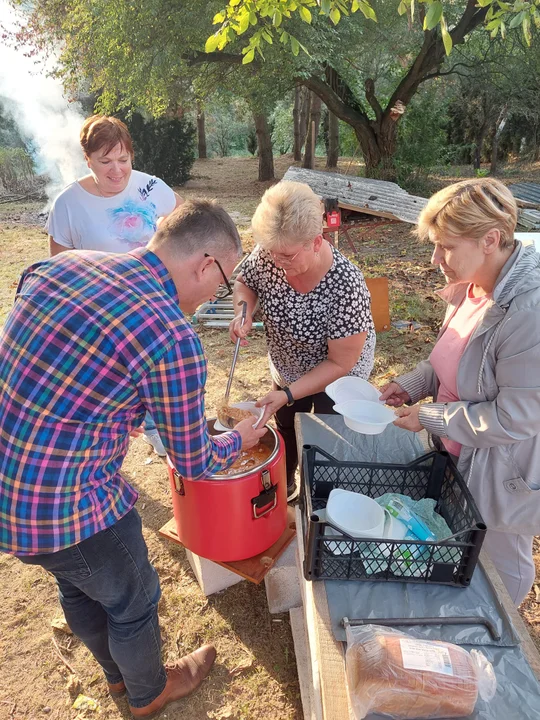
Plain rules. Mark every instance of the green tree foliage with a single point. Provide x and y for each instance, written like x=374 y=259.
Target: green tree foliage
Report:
x=282 y=127
x=164 y=147
x=10 y=135
x=492 y=83
x=373 y=99
x=251 y=140
x=16 y=168
x=268 y=20
x=422 y=139
x=154 y=55
x=16 y=163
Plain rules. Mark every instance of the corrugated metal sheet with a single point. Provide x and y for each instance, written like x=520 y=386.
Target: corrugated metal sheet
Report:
x=529 y=219
x=529 y=192
x=374 y=197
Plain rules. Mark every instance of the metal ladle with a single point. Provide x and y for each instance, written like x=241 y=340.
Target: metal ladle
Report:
x=230 y=420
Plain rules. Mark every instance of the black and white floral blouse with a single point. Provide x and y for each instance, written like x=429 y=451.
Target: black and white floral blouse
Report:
x=298 y=326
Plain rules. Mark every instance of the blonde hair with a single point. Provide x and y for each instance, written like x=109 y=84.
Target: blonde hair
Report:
x=470 y=209
x=289 y=214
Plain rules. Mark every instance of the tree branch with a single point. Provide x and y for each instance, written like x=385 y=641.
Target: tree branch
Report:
x=199 y=58
x=369 y=87
x=432 y=53
x=453 y=70
x=334 y=103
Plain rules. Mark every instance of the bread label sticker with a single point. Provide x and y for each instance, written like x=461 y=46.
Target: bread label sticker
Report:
x=425 y=656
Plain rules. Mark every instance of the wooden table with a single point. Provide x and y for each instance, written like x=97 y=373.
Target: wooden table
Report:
x=329 y=700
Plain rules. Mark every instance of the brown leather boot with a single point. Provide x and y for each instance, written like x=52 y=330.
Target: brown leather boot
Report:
x=117 y=689
x=183 y=678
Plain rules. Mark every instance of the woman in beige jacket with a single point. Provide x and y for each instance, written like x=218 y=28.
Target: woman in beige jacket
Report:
x=483 y=373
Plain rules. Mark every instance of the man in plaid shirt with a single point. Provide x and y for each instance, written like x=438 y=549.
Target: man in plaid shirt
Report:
x=93 y=342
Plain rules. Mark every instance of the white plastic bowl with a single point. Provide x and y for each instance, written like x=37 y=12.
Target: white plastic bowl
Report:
x=352 y=388
x=356 y=514
x=364 y=416
x=393 y=529
x=257 y=412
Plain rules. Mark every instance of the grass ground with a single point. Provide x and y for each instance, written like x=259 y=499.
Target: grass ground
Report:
x=255 y=676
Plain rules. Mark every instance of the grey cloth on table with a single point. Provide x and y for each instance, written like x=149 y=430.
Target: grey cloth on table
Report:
x=397 y=599
x=330 y=433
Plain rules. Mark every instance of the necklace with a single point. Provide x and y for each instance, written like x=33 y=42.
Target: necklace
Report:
x=98 y=188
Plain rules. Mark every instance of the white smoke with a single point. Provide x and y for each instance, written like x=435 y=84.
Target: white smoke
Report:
x=37 y=104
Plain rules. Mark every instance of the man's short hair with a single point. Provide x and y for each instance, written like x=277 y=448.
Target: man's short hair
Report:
x=198 y=225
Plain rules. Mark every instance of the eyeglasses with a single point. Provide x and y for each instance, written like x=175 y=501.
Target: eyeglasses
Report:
x=284 y=259
x=225 y=289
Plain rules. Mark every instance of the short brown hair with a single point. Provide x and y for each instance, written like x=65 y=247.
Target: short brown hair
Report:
x=198 y=225
x=470 y=209
x=103 y=132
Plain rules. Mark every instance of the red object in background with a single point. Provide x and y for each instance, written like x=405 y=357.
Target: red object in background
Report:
x=333 y=219
x=236 y=517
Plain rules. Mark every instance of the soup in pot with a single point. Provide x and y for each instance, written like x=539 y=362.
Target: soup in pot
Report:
x=248 y=460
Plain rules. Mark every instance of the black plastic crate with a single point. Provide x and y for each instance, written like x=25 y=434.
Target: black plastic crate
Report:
x=431 y=476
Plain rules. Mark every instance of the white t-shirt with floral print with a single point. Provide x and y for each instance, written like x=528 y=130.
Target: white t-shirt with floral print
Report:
x=298 y=326
x=81 y=221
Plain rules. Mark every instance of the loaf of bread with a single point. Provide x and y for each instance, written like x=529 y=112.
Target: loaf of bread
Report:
x=396 y=675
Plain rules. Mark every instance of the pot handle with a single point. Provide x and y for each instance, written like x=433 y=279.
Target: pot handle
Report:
x=178 y=483
x=262 y=500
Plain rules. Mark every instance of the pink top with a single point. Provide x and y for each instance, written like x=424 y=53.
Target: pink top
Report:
x=448 y=350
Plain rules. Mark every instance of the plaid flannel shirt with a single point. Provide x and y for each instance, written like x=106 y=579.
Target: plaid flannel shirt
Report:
x=94 y=340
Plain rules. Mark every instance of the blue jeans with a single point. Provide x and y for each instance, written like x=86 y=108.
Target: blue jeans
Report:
x=109 y=592
x=148 y=424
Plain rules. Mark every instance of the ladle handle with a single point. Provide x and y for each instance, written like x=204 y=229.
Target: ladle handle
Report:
x=236 y=351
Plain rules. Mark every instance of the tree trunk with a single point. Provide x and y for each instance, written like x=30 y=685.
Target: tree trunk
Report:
x=305 y=107
x=201 y=132
x=478 y=144
x=312 y=133
x=499 y=127
x=264 y=142
x=332 y=154
x=378 y=145
x=536 y=147
x=297 y=147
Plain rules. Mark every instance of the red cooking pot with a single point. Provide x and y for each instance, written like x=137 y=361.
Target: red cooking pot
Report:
x=233 y=517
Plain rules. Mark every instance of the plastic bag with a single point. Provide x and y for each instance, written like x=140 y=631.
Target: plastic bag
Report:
x=395 y=674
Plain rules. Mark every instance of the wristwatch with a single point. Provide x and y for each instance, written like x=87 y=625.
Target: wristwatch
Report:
x=289 y=395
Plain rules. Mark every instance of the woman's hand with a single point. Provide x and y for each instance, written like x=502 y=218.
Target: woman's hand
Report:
x=408 y=418
x=237 y=330
x=394 y=394
x=271 y=403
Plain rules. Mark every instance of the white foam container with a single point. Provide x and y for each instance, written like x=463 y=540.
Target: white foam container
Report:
x=257 y=412
x=365 y=416
x=352 y=388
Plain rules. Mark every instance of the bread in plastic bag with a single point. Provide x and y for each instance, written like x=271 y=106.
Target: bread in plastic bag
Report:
x=395 y=674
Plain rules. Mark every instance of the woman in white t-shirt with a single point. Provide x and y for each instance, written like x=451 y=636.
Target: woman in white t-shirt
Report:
x=113 y=209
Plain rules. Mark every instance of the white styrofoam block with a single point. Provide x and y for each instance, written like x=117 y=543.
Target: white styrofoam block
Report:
x=303 y=661
x=211 y=577
x=281 y=582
